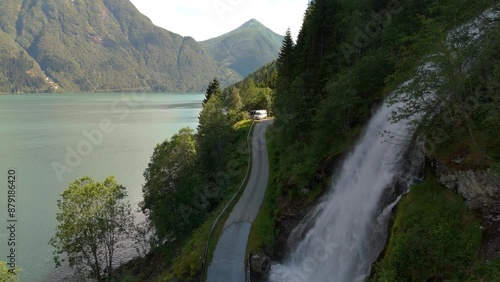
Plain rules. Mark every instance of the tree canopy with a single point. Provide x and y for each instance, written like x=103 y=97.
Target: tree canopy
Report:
x=93 y=220
x=164 y=192
x=213 y=89
x=6 y=275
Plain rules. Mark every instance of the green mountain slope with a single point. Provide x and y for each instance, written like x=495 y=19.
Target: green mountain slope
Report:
x=100 y=45
x=246 y=48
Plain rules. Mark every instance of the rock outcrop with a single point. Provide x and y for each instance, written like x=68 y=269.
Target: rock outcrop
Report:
x=260 y=265
x=480 y=188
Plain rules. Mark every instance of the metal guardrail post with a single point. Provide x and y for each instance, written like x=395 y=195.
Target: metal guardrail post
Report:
x=249 y=270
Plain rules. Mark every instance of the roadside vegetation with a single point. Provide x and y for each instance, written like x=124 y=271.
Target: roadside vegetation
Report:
x=262 y=234
x=190 y=179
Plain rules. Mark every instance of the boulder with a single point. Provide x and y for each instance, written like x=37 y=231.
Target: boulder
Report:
x=260 y=265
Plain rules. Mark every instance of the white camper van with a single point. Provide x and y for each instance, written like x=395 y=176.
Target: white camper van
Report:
x=259 y=114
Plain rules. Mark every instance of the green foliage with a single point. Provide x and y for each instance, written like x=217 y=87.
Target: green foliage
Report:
x=167 y=192
x=284 y=61
x=347 y=57
x=434 y=237
x=189 y=179
x=92 y=219
x=321 y=96
x=465 y=100
x=19 y=72
x=193 y=205
x=254 y=92
x=213 y=89
x=234 y=100
x=214 y=132
x=6 y=275
x=489 y=271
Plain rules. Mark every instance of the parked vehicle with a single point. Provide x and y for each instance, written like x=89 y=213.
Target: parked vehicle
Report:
x=258 y=114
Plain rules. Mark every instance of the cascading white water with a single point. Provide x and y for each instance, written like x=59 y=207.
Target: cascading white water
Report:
x=338 y=247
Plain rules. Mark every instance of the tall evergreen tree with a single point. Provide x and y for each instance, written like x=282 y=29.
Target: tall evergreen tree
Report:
x=285 y=56
x=213 y=88
x=284 y=66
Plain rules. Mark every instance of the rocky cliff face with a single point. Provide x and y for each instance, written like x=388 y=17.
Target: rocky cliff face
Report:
x=480 y=188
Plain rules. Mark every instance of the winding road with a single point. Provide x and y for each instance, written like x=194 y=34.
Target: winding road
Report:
x=228 y=262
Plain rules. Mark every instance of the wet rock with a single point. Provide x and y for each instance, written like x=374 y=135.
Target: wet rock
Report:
x=290 y=216
x=260 y=265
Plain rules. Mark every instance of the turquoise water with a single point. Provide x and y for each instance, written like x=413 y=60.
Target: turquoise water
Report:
x=50 y=140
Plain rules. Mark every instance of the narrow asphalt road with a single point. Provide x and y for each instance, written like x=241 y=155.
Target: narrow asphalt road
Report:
x=228 y=263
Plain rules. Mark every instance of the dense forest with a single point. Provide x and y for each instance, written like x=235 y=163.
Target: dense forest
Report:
x=343 y=65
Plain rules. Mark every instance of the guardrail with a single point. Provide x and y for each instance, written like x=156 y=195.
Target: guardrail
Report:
x=249 y=269
x=229 y=203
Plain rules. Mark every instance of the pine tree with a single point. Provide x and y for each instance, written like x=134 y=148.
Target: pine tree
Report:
x=213 y=88
x=285 y=55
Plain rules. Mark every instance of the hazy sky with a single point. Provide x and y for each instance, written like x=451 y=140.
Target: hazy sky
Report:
x=204 y=19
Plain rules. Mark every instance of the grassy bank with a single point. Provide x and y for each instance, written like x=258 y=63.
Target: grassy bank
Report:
x=434 y=238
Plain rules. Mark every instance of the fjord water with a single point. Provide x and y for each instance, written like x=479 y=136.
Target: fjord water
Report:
x=36 y=132
x=345 y=237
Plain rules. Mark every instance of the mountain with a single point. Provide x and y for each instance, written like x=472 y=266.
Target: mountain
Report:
x=246 y=48
x=108 y=45
x=97 y=45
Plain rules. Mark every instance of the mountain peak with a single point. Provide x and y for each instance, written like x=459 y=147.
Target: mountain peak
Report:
x=246 y=48
x=252 y=22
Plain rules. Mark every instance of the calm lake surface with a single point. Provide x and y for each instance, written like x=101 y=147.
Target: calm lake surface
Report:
x=39 y=131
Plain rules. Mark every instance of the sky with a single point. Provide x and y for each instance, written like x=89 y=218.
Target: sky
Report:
x=205 y=19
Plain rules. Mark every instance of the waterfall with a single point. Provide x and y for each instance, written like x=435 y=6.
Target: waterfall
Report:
x=350 y=227
x=342 y=237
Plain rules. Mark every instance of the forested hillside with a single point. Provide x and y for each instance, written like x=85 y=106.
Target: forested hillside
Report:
x=108 y=45
x=19 y=71
x=348 y=56
x=246 y=48
x=252 y=93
